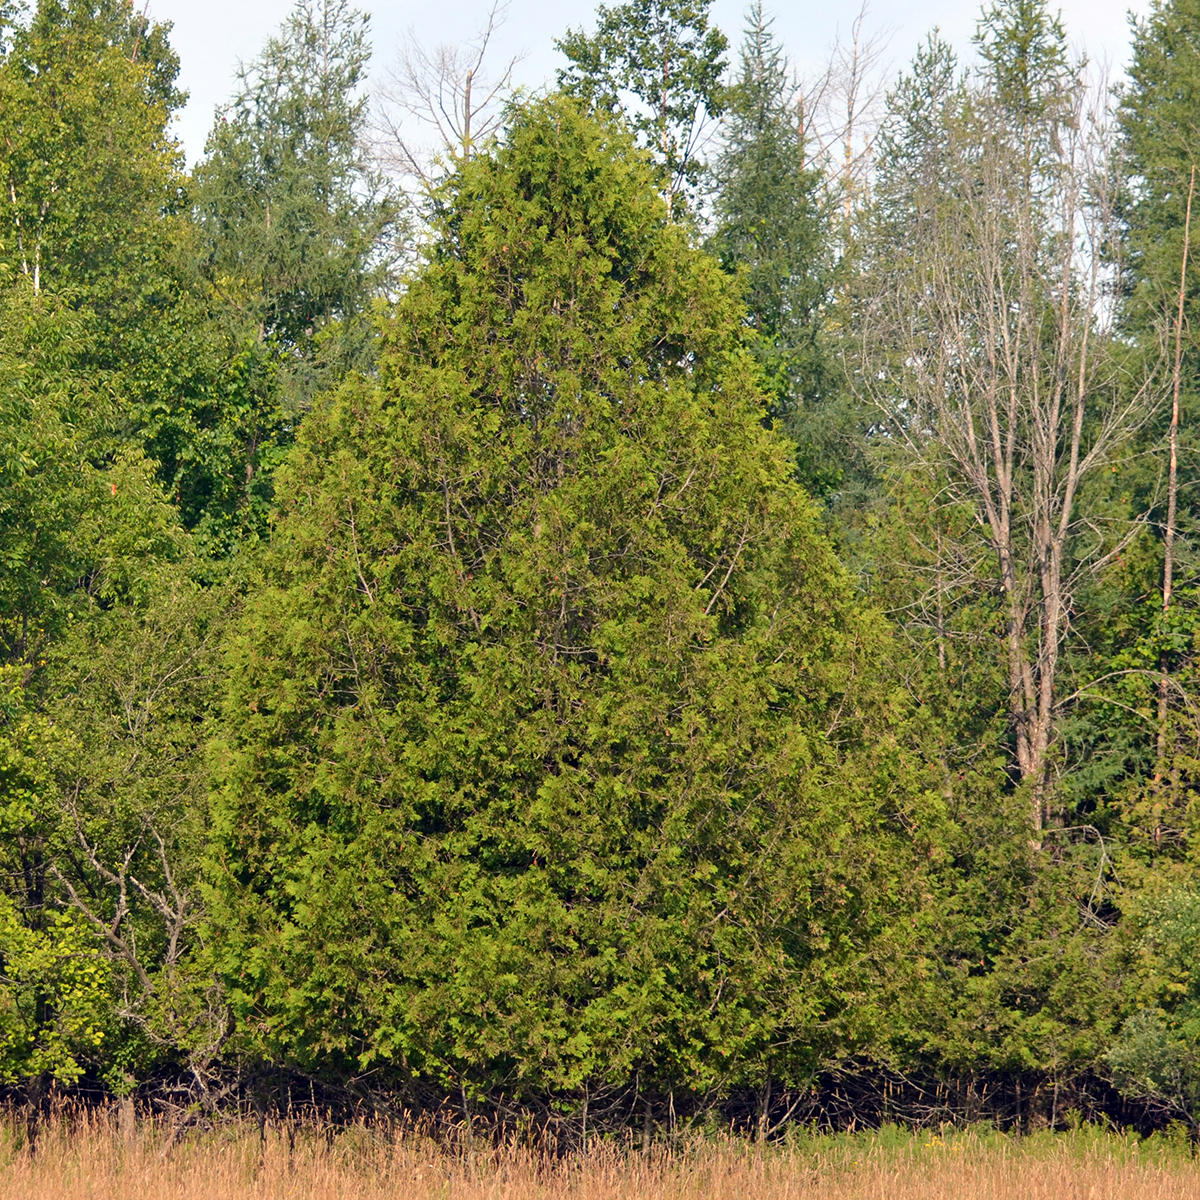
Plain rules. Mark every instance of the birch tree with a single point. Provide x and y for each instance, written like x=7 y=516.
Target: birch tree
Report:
x=86 y=164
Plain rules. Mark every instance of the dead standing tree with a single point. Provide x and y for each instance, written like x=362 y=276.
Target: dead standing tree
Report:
x=838 y=114
x=444 y=94
x=988 y=344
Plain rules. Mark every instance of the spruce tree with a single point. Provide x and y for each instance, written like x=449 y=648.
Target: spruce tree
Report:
x=1160 y=125
x=773 y=224
x=1160 y=133
x=916 y=158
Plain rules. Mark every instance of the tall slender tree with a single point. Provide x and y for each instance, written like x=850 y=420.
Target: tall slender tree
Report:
x=916 y=156
x=1159 y=118
x=1160 y=127
x=774 y=224
x=994 y=366
x=772 y=215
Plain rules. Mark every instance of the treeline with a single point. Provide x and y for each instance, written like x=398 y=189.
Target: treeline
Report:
x=648 y=606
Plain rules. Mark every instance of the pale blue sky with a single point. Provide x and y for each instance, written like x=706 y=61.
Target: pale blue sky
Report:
x=212 y=35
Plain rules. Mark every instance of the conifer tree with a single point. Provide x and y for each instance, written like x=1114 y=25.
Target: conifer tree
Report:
x=1160 y=124
x=773 y=223
x=916 y=156
x=770 y=210
x=1160 y=127
x=529 y=776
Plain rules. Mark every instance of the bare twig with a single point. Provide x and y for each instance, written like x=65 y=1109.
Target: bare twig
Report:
x=441 y=93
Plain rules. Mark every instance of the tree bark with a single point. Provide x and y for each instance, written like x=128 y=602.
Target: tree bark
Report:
x=1172 y=486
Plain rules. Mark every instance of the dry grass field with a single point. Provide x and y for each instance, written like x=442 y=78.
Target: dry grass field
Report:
x=89 y=1161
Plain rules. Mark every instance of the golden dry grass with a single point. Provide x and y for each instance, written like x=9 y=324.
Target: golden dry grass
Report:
x=88 y=1161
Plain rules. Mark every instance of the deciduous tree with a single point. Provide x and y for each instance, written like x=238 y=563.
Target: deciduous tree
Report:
x=992 y=354
x=662 y=63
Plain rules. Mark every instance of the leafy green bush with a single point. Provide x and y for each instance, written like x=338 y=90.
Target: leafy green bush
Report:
x=1157 y=1054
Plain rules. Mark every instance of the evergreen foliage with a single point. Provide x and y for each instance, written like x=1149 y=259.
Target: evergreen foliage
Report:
x=773 y=214
x=533 y=769
x=437 y=686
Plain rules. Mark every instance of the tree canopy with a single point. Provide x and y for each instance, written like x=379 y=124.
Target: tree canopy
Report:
x=661 y=627
x=538 y=697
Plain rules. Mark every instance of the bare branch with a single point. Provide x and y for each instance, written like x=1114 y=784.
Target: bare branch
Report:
x=441 y=96
x=989 y=347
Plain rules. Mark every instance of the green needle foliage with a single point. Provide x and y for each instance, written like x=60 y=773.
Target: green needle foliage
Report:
x=1160 y=130
x=772 y=212
x=533 y=774
x=1160 y=123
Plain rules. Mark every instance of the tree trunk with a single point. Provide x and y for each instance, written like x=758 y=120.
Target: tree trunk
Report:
x=1173 y=484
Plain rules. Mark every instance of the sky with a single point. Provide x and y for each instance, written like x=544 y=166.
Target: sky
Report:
x=212 y=36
